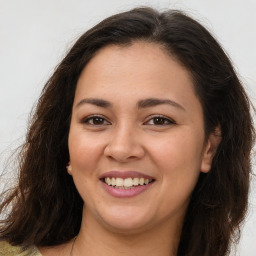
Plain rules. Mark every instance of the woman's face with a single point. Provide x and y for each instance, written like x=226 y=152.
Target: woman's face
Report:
x=136 y=141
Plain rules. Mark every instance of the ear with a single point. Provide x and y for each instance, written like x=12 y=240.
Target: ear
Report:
x=212 y=144
x=69 y=168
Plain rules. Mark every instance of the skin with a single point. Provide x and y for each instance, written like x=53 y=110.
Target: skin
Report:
x=165 y=141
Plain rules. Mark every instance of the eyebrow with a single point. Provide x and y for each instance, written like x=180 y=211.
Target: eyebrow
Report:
x=146 y=103
x=152 y=102
x=96 y=102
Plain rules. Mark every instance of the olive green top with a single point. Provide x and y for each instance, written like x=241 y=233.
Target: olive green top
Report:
x=8 y=250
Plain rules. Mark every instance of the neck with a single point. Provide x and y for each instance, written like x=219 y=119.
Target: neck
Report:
x=95 y=239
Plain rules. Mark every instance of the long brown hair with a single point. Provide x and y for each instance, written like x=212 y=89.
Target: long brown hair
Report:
x=46 y=207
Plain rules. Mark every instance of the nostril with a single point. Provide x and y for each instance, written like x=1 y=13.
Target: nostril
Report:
x=123 y=147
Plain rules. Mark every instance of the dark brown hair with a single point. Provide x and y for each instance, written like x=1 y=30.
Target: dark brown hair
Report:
x=46 y=207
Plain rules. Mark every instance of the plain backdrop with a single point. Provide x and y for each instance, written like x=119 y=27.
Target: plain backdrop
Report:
x=36 y=34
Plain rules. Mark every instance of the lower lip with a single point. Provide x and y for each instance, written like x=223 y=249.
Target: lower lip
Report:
x=124 y=193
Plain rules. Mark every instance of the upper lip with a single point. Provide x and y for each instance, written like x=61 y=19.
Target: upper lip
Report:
x=125 y=174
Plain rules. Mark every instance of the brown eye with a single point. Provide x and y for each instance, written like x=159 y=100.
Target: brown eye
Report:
x=95 y=120
x=160 y=120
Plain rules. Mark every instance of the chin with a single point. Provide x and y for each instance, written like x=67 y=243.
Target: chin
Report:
x=126 y=221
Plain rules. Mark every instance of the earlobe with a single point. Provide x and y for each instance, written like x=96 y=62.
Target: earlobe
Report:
x=69 y=168
x=213 y=142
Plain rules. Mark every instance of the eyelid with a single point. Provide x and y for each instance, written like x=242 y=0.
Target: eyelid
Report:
x=90 y=117
x=170 y=120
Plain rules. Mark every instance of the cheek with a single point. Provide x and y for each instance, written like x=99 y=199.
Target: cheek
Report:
x=178 y=166
x=181 y=149
x=84 y=151
x=84 y=154
x=178 y=161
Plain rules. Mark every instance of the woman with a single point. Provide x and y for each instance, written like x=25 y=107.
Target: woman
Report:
x=140 y=145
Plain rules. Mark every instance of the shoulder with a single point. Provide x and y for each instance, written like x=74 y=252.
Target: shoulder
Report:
x=8 y=250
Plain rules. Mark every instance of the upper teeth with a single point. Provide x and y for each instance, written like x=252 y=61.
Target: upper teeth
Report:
x=128 y=182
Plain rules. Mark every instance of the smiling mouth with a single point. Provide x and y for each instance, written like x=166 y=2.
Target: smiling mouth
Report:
x=127 y=183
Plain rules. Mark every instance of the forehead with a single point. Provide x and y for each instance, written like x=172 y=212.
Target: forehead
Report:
x=140 y=62
x=134 y=72
x=127 y=75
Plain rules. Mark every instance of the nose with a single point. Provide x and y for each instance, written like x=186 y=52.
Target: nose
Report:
x=124 y=145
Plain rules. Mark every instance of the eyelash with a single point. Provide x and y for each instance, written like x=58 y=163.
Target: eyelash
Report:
x=164 y=121
x=94 y=118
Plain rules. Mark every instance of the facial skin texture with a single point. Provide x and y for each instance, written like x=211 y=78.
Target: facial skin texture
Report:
x=173 y=151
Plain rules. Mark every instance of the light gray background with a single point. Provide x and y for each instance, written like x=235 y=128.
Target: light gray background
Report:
x=36 y=34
